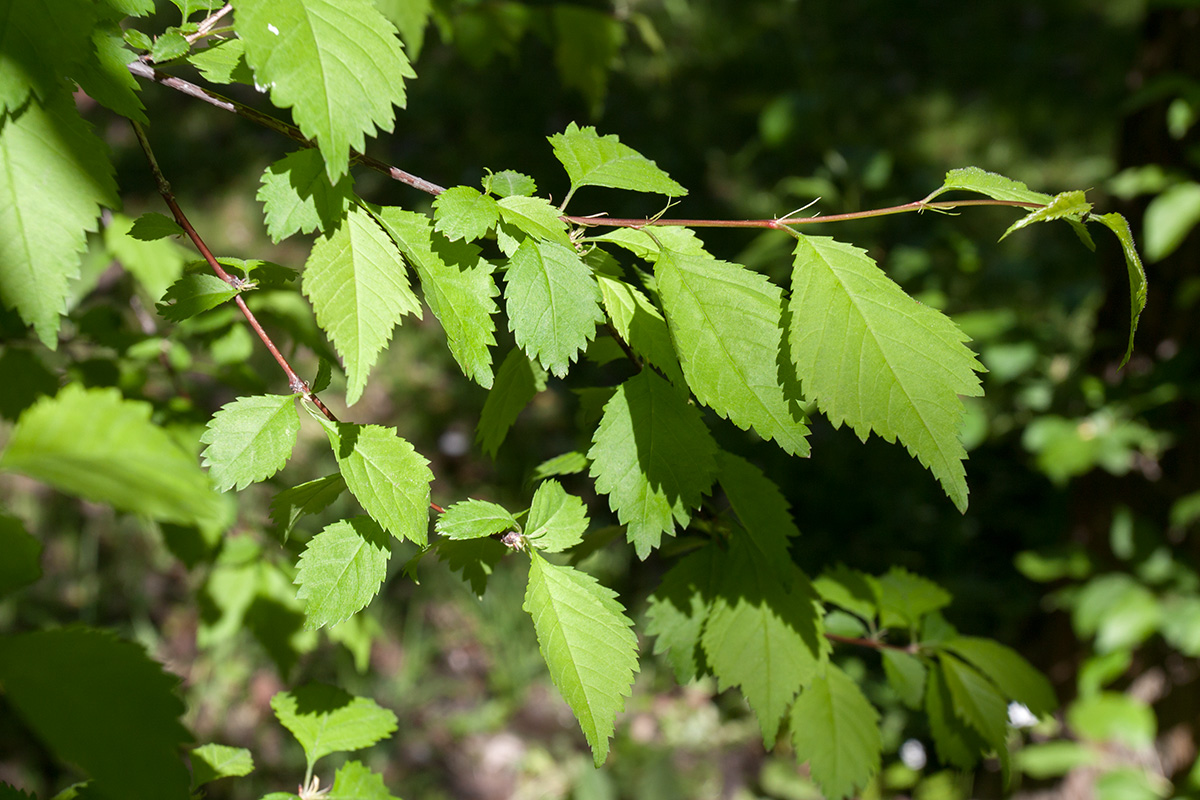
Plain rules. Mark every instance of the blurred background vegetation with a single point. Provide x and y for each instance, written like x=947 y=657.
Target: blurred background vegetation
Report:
x=1080 y=548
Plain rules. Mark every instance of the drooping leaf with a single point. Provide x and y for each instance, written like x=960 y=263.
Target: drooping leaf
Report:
x=997 y=187
x=653 y=456
x=586 y=640
x=95 y=444
x=874 y=358
x=641 y=325
x=557 y=520
x=354 y=781
x=517 y=382
x=462 y=212
x=57 y=177
x=325 y=719
x=1067 y=205
x=21 y=564
x=904 y=598
x=336 y=63
x=646 y=244
x=101 y=704
x=976 y=700
x=533 y=216
x=677 y=611
x=359 y=289
x=725 y=321
x=906 y=675
x=310 y=497
x=40 y=41
x=213 y=761
x=104 y=75
x=458 y=287
x=553 y=303
x=762 y=509
x=957 y=743
x=1012 y=674
x=387 y=476
x=761 y=636
x=250 y=439
x=509 y=183
x=194 y=294
x=836 y=730
x=341 y=570
x=297 y=196
x=474 y=519
x=1137 y=274
x=152 y=225
x=594 y=160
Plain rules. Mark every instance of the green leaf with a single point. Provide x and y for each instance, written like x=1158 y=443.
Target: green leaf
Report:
x=1067 y=205
x=1016 y=678
x=250 y=439
x=213 y=761
x=976 y=700
x=105 y=76
x=677 y=612
x=850 y=589
x=725 y=323
x=102 y=705
x=553 y=303
x=458 y=287
x=762 y=636
x=40 y=40
x=557 y=520
x=57 y=177
x=957 y=743
x=904 y=598
x=567 y=464
x=223 y=62
x=336 y=63
x=1137 y=275
x=354 y=781
x=761 y=508
x=170 y=45
x=587 y=643
x=1114 y=717
x=21 y=564
x=194 y=294
x=156 y=265
x=137 y=39
x=387 y=476
x=411 y=17
x=997 y=187
x=873 y=357
x=589 y=41
x=462 y=212
x=1054 y=759
x=518 y=381
x=359 y=290
x=152 y=225
x=325 y=719
x=653 y=456
x=1169 y=218
x=509 y=183
x=533 y=216
x=646 y=244
x=641 y=325
x=474 y=519
x=906 y=675
x=95 y=444
x=594 y=160
x=836 y=730
x=341 y=570
x=297 y=196
x=311 y=497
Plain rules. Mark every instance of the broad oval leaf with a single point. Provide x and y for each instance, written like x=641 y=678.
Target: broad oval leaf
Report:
x=387 y=476
x=340 y=570
x=836 y=730
x=997 y=187
x=557 y=520
x=594 y=160
x=298 y=197
x=250 y=439
x=462 y=212
x=474 y=519
x=213 y=761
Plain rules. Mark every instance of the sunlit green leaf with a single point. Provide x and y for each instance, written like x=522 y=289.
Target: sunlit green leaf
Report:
x=1012 y=674
x=997 y=187
x=213 y=761
x=678 y=609
x=594 y=160
x=310 y=497
x=194 y=294
x=557 y=520
x=250 y=439
x=387 y=476
x=836 y=730
x=472 y=519
x=325 y=719
x=1137 y=274
x=341 y=570
x=297 y=196
x=517 y=382
x=462 y=212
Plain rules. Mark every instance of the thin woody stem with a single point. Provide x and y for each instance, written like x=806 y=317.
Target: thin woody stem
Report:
x=208 y=23
x=295 y=382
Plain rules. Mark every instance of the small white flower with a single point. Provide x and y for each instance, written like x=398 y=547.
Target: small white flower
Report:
x=1019 y=716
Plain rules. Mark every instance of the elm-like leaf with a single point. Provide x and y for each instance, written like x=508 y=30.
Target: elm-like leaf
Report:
x=310 y=497
x=21 y=564
x=341 y=570
x=906 y=675
x=40 y=41
x=567 y=464
x=105 y=75
x=250 y=439
x=646 y=244
x=594 y=160
x=463 y=212
x=876 y=359
x=354 y=781
x=639 y=322
x=904 y=598
x=517 y=382
x=957 y=743
x=1137 y=274
x=678 y=609
x=585 y=638
x=553 y=303
x=850 y=589
x=213 y=761
x=654 y=457
x=1067 y=205
x=156 y=264
x=1008 y=670
x=152 y=225
x=533 y=216
x=557 y=520
x=387 y=476
x=298 y=197
x=458 y=286
x=194 y=294
x=359 y=289
x=509 y=183
x=325 y=719
x=336 y=63
x=57 y=176
x=725 y=321
x=977 y=702
x=223 y=62
x=836 y=730
x=997 y=187
x=474 y=519
x=762 y=509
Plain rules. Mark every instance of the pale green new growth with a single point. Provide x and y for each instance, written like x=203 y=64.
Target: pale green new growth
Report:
x=874 y=358
x=327 y=720
x=594 y=160
x=653 y=456
x=474 y=519
x=336 y=63
x=250 y=439
x=387 y=476
x=223 y=62
x=213 y=761
x=557 y=520
x=641 y=325
x=567 y=464
x=725 y=322
x=341 y=570
x=553 y=303
x=1068 y=205
x=509 y=183
x=298 y=197
x=461 y=212
x=836 y=730
x=586 y=640
x=997 y=187
x=194 y=294
x=518 y=381
x=359 y=289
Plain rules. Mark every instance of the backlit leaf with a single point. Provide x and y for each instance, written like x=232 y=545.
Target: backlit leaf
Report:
x=297 y=196
x=557 y=520
x=311 y=497
x=39 y=40
x=213 y=761
x=104 y=75
x=957 y=743
x=325 y=719
x=223 y=62
x=473 y=519
x=387 y=476
x=641 y=325
x=836 y=730
x=1137 y=275
x=1068 y=205
x=976 y=700
x=594 y=160
x=462 y=212
x=906 y=675
x=517 y=382
x=533 y=216
x=194 y=294
x=509 y=183
x=762 y=509
x=152 y=225
x=677 y=611
x=904 y=598
x=997 y=187
x=341 y=570
x=354 y=781
x=1012 y=674
x=250 y=439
